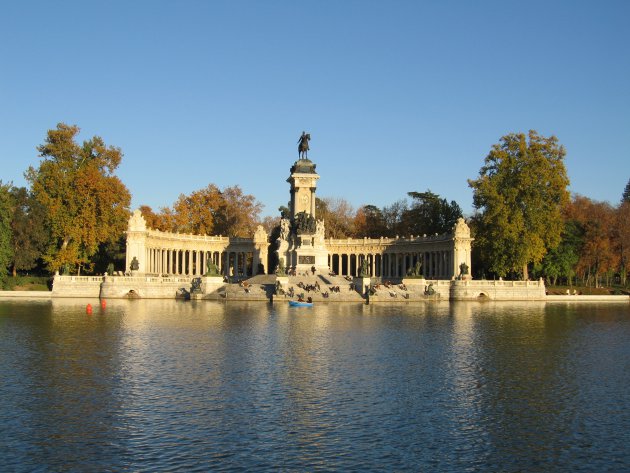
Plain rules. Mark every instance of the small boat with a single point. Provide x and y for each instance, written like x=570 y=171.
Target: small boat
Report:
x=300 y=304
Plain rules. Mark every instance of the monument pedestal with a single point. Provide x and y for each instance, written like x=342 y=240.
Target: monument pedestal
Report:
x=308 y=253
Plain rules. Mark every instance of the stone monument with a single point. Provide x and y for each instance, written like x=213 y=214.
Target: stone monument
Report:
x=301 y=240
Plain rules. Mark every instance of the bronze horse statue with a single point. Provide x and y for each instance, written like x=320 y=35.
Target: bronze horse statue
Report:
x=303 y=145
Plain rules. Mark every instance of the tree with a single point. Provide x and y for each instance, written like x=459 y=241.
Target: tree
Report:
x=30 y=230
x=238 y=213
x=597 y=222
x=154 y=221
x=196 y=213
x=6 y=214
x=369 y=222
x=209 y=211
x=561 y=262
x=393 y=216
x=625 y=197
x=269 y=223
x=520 y=192
x=338 y=215
x=85 y=202
x=430 y=214
x=622 y=233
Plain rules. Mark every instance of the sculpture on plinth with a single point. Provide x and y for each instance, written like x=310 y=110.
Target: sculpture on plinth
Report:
x=212 y=269
x=303 y=145
x=365 y=272
x=195 y=286
x=135 y=265
x=285 y=228
x=416 y=271
x=305 y=223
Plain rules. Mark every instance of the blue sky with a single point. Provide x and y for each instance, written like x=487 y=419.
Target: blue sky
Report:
x=398 y=96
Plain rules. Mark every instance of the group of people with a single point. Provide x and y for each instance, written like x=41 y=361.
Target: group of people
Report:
x=309 y=287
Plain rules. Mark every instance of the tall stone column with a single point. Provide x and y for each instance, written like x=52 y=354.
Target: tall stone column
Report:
x=461 y=247
x=137 y=233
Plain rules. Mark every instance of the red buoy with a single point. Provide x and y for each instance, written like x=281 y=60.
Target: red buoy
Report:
x=88 y=309
x=103 y=303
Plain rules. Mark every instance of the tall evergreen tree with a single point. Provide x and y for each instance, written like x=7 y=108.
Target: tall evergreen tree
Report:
x=429 y=214
x=30 y=230
x=6 y=214
x=625 y=197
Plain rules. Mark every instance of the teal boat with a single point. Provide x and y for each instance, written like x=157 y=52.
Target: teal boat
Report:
x=300 y=304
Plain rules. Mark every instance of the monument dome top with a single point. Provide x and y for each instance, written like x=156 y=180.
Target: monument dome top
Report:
x=303 y=166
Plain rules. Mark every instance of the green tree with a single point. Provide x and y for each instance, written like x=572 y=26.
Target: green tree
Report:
x=6 y=215
x=625 y=197
x=113 y=252
x=520 y=192
x=429 y=214
x=86 y=203
x=622 y=234
x=369 y=222
x=561 y=262
x=30 y=230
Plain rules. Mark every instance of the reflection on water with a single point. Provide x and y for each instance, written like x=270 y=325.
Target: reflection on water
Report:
x=166 y=385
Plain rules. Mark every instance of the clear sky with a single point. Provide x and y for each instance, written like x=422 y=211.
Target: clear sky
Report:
x=398 y=96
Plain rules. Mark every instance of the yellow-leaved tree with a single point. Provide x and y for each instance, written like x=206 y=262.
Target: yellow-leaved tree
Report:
x=519 y=193
x=87 y=204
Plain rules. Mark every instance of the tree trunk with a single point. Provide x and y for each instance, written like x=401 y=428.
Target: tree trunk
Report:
x=525 y=273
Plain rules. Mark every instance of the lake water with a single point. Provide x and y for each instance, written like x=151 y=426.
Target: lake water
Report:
x=204 y=386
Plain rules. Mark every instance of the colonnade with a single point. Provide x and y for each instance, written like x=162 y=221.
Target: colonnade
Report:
x=435 y=264
x=194 y=263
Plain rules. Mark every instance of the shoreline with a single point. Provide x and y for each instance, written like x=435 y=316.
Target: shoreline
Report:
x=48 y=295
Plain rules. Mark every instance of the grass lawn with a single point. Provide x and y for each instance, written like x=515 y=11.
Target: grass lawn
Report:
x=586 y=290
x=27 y=283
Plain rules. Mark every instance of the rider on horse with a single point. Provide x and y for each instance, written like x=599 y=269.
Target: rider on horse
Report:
x=303 y=145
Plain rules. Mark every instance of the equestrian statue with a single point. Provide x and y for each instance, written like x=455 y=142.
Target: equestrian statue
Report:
x=303 y=145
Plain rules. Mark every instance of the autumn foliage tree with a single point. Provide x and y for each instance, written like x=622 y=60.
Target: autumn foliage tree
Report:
x=519 y=195
x=338 y=215
x=369 y=221
x=86 y=204
x=208 y=211
x=598 y=253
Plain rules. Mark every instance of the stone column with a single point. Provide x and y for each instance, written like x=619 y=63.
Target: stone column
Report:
x=404 y=268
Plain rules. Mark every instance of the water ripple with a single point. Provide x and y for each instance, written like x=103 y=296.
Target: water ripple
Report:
x=169 y=386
